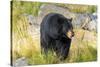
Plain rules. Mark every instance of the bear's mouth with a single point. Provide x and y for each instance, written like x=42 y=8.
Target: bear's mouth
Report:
x=70 y=34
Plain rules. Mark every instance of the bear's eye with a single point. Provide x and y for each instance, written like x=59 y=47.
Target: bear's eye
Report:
x=70 y=20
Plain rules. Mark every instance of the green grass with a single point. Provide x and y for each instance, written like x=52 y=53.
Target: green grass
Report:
x=39 y=58
x=80 y=8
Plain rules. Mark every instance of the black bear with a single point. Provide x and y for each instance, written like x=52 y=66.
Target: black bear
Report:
x=56 y=32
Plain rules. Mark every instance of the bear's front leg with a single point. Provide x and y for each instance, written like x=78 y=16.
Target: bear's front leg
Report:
x=62 y=49
x=64 y=52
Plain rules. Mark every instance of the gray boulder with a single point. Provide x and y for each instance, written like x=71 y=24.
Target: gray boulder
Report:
x=92 y=23
x=80 y=20
x=20 y=62
x=48 y=8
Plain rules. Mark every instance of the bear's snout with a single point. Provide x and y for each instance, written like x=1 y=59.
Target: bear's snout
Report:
x=70 y=34
x=73 y=34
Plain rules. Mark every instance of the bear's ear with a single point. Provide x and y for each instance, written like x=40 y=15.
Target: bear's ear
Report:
x=70 y=20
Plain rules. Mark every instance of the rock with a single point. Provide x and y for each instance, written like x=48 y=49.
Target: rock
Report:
x=21 y=62
x=80 y=20
x=48 y=8
x=31 y=19
x=85 y=21
x=92 y=23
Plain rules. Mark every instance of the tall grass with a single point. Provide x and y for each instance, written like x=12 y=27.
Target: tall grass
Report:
x=39 y=58
x=82 y=50
x=22 y=42
x=80 y=8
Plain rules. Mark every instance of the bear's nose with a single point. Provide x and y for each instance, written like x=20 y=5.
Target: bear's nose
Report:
x=73 y=34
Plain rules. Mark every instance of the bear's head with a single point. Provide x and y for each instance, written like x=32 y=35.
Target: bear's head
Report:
x=67 y=28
